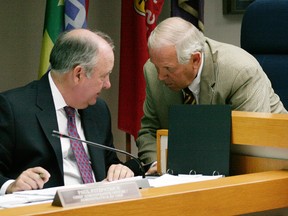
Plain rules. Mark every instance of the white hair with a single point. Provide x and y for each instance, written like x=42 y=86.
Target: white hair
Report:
x=180 y=33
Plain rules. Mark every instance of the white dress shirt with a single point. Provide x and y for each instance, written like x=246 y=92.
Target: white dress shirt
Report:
x=195 y=85
x=71 y=172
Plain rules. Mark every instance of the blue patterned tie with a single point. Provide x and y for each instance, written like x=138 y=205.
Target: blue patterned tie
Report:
x=77 y=147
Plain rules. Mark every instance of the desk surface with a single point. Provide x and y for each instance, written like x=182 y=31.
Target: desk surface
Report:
x=226 y=196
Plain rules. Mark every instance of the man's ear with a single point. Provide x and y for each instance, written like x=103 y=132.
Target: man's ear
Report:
x=78 y=73
x=196 y=59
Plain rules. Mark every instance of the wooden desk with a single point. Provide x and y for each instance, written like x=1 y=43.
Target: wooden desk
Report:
x=261 y=190
x=227 y=196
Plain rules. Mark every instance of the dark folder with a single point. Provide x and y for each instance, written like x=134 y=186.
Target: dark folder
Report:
x=199 y=139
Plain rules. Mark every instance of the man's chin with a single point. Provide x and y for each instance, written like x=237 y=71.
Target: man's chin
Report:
x=92 y=102
x=173 y=88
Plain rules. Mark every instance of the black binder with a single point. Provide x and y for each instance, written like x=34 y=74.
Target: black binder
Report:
x=199 y=139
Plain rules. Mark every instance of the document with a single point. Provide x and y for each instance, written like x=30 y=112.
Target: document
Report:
x=16 y=200
x=167 y=179
x=30 y=197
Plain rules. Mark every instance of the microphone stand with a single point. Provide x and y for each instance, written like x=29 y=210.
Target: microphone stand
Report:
x=59 y=135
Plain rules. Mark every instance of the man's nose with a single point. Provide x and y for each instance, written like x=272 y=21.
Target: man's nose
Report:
x=162 y=74
x=107 y=84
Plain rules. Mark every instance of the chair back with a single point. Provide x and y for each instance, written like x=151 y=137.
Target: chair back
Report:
x=264 y=34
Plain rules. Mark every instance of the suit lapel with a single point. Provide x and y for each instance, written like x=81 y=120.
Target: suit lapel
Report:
x=90 y=124
x=47 y=116
x=208 y=76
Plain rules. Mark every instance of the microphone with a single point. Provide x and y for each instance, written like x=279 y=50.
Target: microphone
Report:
x=59 y=135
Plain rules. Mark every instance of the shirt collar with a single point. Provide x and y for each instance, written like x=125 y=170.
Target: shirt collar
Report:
x=195 y=85
x=58 y=99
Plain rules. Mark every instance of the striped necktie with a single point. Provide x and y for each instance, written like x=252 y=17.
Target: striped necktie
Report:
x=188 y=96
x=82 y=159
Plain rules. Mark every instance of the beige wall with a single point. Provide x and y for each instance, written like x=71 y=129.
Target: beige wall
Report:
x=21 y=35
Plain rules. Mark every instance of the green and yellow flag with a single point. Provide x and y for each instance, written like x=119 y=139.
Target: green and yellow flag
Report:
x=53 y=26
x=60 y=15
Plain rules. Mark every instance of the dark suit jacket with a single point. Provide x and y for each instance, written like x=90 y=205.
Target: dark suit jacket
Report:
x=27 y=118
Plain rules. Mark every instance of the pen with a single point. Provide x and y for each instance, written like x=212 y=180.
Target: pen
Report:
x=41 y=175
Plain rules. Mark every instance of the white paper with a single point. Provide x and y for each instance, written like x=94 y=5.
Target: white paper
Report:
x=135 y=178
x=16 y=200
x=167 y=179
x=29 y=197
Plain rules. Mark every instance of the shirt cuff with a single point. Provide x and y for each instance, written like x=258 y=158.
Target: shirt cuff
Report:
x=153 y=164
x=5 y=186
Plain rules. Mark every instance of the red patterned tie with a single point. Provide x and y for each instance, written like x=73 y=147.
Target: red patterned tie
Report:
x=78 y=149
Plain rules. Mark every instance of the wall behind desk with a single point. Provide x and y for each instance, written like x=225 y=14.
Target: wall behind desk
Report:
x=21 y=26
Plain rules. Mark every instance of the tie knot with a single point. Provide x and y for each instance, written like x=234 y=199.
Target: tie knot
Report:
x=187 y=91
x=70 y=111
x=188 y=96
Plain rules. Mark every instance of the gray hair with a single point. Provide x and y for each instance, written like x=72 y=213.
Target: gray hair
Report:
x=176 y=31
x=70 y=51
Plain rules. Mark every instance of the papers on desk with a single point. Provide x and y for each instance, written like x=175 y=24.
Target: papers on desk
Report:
x=167 y=179
x=18 y=199
x=24 y=198
x=29 y=197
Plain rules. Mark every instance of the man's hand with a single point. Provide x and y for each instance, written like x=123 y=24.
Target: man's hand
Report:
x=118 y=171
x=30 y=179
x=152 y=170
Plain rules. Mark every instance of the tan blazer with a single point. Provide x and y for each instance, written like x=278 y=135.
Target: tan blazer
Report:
x=230 y=75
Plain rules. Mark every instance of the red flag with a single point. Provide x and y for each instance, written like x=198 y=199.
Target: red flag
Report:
x=138 y=20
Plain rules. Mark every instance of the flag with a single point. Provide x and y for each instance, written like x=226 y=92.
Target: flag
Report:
x=53 y=26
x=190 y=10
x=138 y=20
x=60 y=15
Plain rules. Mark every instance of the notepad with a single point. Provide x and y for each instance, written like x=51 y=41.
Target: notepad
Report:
x=199 y=139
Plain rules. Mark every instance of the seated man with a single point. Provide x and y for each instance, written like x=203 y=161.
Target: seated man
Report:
x=183 y=60
x=66 y=99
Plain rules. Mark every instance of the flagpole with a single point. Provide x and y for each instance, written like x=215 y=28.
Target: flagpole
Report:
x=128 y=145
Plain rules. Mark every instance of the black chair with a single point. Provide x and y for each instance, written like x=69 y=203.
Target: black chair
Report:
x=264 y=34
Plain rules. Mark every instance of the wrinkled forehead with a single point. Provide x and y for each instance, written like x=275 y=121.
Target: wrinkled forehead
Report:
x=164 y=55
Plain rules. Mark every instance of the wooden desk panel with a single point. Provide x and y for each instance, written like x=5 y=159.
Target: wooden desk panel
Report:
x=241 y=164
x=260 y=129
x=227 y=196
